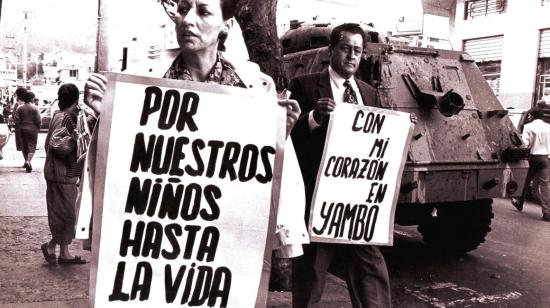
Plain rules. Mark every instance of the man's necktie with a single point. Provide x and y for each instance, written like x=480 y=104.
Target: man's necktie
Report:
x=349 y=95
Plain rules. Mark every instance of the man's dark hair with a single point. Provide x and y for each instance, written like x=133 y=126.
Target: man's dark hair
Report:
x=537 y=113
x=67 y=95
x=26 y=96
x=336 y=34
x=19 y=91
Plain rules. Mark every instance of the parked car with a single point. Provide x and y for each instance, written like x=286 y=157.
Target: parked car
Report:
x=46 y=113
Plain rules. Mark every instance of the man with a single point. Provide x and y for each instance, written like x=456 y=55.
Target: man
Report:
x=318 y=94
x=536 y=136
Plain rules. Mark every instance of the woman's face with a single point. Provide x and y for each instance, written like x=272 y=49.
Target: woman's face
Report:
x=198 y=24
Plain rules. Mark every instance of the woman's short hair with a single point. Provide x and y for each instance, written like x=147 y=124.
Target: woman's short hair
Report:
x=336 y=34
x=19 y=91
x=26 y=96
x=537 y=113
x=228 y=8
x=67 y=95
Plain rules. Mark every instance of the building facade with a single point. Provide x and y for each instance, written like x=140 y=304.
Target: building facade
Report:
x=510 y=41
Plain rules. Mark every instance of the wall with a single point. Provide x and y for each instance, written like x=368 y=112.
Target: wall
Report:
x=520 y=25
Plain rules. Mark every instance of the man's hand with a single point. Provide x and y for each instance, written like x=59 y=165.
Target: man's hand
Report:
x=94 y=90
x=323 y=107
x=292 y=113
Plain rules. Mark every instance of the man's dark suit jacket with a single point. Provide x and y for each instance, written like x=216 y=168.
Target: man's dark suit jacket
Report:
x=307 y=89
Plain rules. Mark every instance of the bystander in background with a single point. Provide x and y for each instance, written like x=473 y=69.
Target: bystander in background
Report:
x=27 y=119
x=17 y=101
x=62 y=172
x=536 y=136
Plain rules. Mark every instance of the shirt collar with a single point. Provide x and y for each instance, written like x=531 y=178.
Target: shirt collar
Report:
x=337 y=79
x=221 y=73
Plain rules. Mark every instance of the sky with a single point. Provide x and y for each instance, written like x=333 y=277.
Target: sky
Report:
x=383 y=13
x=78 y=18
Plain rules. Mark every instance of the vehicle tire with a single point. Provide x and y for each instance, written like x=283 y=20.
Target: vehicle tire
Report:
x=458 y=227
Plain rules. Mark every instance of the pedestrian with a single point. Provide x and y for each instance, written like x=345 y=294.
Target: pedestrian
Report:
x=27 y=119
x=536 y=137
x=18 y=101
x=318 y=94
x=62 y=171
x=4 y=136
x=7 y=113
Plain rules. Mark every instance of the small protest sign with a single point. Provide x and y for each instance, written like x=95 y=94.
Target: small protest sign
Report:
x=359 y=176
x=183 y=191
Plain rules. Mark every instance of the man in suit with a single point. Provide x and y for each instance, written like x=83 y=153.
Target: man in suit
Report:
x=318 y=94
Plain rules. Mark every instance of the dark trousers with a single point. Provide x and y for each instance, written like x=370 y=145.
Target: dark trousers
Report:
x=364 y=269
x=539 y=173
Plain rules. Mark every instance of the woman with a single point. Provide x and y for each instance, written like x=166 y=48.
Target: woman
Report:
x=201 y=29
x=62 y=172
x=16 y=102
x=27 y=120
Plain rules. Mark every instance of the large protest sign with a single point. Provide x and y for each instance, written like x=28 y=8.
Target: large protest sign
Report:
x=359 y=176
x=183 y=192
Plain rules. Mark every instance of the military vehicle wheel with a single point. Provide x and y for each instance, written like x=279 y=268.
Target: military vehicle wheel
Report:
x=458 y=228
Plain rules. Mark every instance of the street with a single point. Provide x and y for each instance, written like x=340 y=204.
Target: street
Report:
x=508 y=270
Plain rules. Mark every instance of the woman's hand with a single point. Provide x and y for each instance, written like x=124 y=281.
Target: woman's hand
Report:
x=292 y=113
x=94 y=90
x=413 y=118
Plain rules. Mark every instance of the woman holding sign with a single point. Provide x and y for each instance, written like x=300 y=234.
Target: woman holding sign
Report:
x=202 y=28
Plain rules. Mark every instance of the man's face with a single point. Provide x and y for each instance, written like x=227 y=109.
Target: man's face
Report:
x=346 y=55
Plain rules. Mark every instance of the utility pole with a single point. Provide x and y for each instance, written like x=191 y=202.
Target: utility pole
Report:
x=102 y=49
x=25 y=48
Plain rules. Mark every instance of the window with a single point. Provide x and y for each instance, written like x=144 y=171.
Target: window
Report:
x=543 y=78
x=487 y=52
x=73 y=73
x=543 y=65
x=490 y=70
x=476 y=8
x=319 y=41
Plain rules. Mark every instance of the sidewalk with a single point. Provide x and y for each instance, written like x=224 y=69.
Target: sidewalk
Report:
x=26 y=280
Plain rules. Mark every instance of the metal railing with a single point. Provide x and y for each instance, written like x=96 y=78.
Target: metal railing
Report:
x=476 y=8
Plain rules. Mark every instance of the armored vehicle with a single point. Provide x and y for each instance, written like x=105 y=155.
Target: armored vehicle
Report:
x=464 y=152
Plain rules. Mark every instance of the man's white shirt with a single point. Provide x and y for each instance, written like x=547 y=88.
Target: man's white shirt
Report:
x=337 y=87
x=536 y=135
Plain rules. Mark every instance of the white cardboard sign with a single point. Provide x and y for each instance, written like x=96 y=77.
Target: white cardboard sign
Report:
x=359 y=176
x=183 y=194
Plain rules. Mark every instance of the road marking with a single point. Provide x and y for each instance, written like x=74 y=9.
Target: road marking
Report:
x=403 y=233
x=426 y=294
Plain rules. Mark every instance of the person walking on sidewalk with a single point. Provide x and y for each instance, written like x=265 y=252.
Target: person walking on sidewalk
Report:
x=17 y=101
x=536 y=136
x=27 y=119
x=62 y=171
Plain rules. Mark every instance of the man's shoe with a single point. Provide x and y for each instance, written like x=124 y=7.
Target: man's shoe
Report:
x=546 y=218
x=517 y=204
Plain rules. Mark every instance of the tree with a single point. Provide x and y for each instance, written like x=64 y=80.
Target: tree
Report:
x=258 y=22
